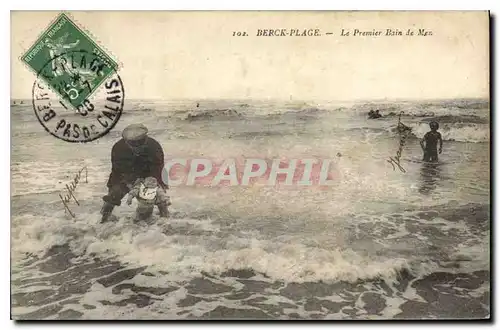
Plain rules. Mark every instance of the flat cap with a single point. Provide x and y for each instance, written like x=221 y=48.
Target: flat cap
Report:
x=134 y=132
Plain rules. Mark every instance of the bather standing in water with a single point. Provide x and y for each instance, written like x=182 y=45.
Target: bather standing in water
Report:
x=429 y=143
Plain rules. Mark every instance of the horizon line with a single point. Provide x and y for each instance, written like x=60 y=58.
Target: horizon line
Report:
x=488 y=98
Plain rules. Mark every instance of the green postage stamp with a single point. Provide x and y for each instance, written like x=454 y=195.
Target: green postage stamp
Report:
x=78 y=95
x=69 y=61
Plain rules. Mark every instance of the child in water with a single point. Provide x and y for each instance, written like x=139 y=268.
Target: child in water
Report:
x=431 y=140
x=148 y=194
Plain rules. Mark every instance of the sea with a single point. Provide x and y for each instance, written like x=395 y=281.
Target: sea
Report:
x=379 y=243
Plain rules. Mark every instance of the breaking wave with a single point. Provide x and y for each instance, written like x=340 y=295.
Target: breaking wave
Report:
x=426 y=109
x=243 y=112
x=463 y=119
x=205 y=249
x=337 y=237
x=456 y=131
x=212 y=114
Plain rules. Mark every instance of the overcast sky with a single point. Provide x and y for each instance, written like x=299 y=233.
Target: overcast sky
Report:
x=176 y=55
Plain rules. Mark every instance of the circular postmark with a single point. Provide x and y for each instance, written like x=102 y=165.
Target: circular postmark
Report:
x=78 y=96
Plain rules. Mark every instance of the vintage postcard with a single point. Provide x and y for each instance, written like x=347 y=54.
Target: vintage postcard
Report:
x=314 y=165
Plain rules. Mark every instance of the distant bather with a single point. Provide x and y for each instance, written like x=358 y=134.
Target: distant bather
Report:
x=374 y=115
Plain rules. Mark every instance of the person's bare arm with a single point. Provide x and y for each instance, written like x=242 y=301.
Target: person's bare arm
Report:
x=134 y=192
x=440 y=143
x=422 y=142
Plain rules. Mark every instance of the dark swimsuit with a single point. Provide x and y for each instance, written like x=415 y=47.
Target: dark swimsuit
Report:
x=431 y=140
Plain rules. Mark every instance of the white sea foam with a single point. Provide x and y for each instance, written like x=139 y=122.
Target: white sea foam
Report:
x=456 y=132
x=188 y=256
x=291 y=235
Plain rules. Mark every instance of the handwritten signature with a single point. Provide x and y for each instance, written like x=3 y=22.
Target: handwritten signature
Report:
x=404 y=132
x=71 y=189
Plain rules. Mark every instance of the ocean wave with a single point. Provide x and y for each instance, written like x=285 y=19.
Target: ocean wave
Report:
x=246 y=111
x=303 y=113
x=200 y=248
x=456 y=131
x=451 y=119
x=307 y=111
x=186 y=245
x=457 y=107
x=378 y=105
x=410 y=114
x=222 y=109
x=445 y=113
x=259 y=134
x=143 y=110
x=212 y=114
x=460 y=132
x=460 y=104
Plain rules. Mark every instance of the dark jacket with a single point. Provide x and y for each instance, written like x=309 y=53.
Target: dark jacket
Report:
x=128 y=167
